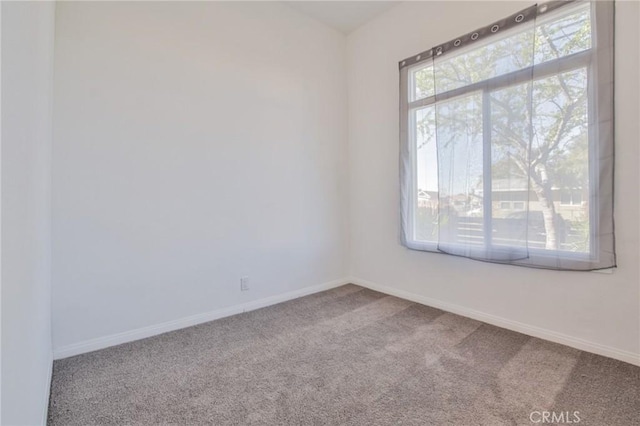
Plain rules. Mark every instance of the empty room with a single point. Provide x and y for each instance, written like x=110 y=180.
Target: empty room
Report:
x=320 y=213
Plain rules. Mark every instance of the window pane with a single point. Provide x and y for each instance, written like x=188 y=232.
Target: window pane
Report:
x=426 y=217
x=480 y=62
x=566 y=34
x=560 y=163
x=510 y=138
x=421 y=83
x=559 y=173
x=460 y=163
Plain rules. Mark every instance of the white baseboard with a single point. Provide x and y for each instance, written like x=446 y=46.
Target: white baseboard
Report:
x=530 y=330
x=153 y=330
x=47 y=392
x=141 y=333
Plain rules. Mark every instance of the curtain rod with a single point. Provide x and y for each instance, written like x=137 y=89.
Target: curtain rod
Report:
x=523 y=16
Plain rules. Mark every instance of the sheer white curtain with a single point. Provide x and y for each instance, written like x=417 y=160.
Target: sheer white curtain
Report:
x=507 y=140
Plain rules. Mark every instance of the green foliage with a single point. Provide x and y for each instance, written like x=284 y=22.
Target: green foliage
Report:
x=538 y=128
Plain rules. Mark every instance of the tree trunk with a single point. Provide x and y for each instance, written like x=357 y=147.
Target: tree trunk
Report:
x=542 y=188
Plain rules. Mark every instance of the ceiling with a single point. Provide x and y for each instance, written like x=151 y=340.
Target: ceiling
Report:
x=344 y=16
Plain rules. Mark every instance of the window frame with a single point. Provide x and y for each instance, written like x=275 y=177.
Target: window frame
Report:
x=408 y=108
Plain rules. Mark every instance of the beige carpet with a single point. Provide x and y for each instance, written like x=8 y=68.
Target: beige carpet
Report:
x=345 y=356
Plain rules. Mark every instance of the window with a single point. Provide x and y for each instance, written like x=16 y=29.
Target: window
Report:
x=571 y=197
x=518 y=205
x=508 y=132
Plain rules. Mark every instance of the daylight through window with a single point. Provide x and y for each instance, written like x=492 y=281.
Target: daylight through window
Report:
x=507 y=141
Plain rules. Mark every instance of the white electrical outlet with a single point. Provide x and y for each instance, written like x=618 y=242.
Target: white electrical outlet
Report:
x=244 y=283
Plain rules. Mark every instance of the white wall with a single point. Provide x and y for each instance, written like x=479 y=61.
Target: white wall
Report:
x=194 y=143
x=27 y=67
x=598 y=312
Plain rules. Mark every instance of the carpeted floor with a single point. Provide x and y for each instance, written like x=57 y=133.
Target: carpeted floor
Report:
x=345 y=356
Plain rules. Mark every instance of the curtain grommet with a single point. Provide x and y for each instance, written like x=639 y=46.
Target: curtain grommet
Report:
x=495 y=28
x=475 y=36
x=457 y=43
x=520 y=18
